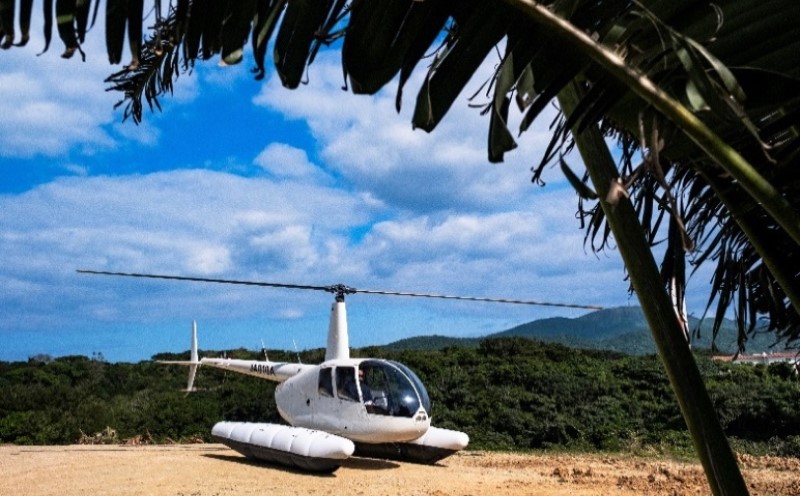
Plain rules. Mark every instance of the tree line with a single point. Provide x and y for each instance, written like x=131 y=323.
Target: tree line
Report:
x=507 y=394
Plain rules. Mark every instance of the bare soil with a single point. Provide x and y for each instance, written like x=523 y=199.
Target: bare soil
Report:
x=214 y=470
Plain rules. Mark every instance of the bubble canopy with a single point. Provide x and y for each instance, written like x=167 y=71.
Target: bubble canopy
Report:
x=391 y=388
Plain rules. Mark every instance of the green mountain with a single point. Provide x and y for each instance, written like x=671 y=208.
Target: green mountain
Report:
x=621 y=329
x=434 y=342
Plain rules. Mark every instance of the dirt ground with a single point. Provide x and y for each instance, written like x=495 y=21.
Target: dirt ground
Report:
x=214 y=470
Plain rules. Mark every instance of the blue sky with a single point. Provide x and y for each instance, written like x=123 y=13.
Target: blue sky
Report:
x=238 y=178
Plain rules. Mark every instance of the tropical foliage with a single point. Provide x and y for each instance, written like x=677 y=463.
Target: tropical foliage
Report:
x=509 y=393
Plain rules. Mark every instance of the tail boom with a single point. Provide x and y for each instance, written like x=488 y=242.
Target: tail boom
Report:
x=273 y=371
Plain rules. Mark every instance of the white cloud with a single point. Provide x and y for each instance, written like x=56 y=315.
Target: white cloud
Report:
x=191 y=222
x=364 y=139
x=286 y=246
x=536 y=252
x=491 y=234
x=459 y=224
x=209 y=260
x=41 y=117
x=50 y=106
x=285 y=161
x=215 y=224
x=170 y=213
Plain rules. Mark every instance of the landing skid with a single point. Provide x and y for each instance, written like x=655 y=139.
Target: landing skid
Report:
x=429 y=448
x=403 y=452
x=296 y=447
x=277 y=457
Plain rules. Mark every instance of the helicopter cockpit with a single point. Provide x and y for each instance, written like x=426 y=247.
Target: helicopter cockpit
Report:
x=384 y=387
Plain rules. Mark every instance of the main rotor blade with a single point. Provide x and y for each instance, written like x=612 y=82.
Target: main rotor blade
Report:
x=205 y=279
x=479 y=298
x=339 y=289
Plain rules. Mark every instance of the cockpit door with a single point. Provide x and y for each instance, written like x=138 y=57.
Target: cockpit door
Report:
x=346 y=385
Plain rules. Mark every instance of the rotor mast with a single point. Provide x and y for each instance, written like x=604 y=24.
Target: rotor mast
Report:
x=338 y=338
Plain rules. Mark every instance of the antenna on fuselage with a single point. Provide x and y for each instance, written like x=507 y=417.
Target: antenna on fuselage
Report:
x=296 y=351
x=264 y=350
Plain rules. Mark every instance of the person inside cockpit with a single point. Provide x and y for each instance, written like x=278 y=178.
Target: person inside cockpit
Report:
x=348 y=389
x=366 y=393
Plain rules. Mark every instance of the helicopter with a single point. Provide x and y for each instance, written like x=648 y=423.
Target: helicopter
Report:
x=343 y=407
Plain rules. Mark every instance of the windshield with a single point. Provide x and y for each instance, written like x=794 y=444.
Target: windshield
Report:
x=390 y=388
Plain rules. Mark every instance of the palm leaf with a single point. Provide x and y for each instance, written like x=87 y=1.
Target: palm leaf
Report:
x=236 y=29
x=381 y=35
x=135 y=17
x=116 y=17
x=211 y=30
x=7 y=9
x=474 y=37
x=25 y=13
x=82 y=10
x=301 y=22
x=65 y=23
x=265 y=22
x=47 y=14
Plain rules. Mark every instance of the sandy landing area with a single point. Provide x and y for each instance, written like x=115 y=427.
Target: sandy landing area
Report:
x=214 y=470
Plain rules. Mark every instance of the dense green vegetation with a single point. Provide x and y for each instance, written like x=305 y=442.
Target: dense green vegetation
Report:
x=507 y=393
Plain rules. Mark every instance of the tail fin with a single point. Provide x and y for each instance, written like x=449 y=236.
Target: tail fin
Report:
x=193 y=363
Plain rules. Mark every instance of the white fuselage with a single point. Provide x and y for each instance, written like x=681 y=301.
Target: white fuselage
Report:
x=305 y=399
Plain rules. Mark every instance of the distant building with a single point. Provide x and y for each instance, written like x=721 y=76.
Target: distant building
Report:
x=764 y=358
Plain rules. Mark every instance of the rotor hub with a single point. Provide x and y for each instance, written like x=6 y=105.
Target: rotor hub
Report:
x=339 y=290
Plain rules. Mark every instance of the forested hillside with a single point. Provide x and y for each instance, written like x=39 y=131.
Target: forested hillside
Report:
x=507 y=393
x=622 y=329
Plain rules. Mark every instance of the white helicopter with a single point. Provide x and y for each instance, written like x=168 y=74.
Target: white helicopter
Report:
x=342 y=407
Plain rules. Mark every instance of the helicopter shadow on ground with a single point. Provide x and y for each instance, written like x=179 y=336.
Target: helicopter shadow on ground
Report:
x=369 y=464
x=354 y=463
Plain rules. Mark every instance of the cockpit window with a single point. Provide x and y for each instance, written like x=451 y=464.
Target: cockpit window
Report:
x=423 y=393
x=389 y=388
x=326 y=382
x=346 y=383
